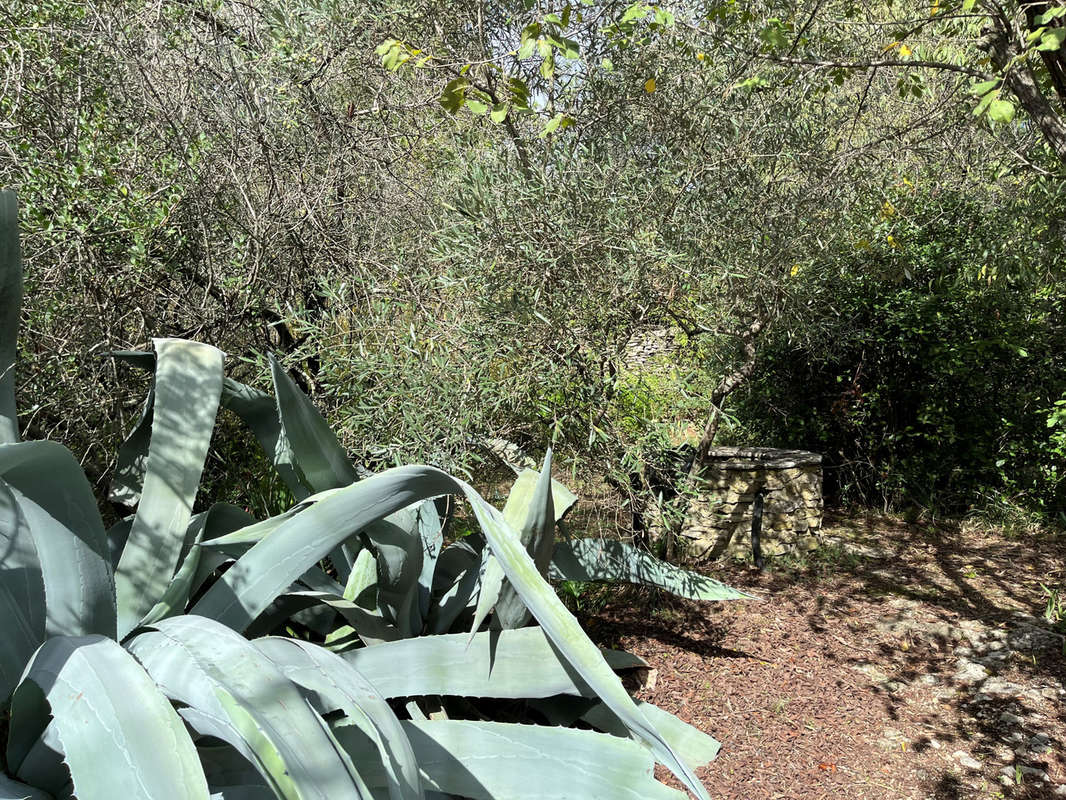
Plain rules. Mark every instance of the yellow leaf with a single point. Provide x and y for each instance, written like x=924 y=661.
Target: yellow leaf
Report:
x=649 y=85
x=904 y=50
x=892 y=242
x=888 y=210
x=795 y=270
x=935 y=9
x=892 y=46
x=700 y=56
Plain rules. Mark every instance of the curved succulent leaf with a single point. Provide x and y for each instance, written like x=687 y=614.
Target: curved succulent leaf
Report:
x=316 y=452
x=13 y=790
x=533 y=498
x=22 y=599
x=188 y=384
x=220 y=519
x=60 y=512
x=235 y=693
x=398 y=544
x=337 y=686
x=518 y=663
x=131 y=462
x=566 y=634
x=110 y=721
x=695 y=747
x=496 y=760
x=259 y=411
x=278 y=559
x=10 y=306
x=612 y=560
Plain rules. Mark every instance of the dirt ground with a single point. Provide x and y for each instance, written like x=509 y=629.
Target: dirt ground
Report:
x=901 y=661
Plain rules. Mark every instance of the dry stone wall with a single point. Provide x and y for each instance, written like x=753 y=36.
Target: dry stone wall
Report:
x=718 y=518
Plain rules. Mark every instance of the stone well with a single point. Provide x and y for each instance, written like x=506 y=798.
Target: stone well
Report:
x=718 y=519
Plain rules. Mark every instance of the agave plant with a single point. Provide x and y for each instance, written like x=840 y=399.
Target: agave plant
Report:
x=339 y=649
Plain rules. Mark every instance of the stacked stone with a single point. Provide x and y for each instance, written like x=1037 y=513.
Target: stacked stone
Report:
x=645 y=346
x=718 y=519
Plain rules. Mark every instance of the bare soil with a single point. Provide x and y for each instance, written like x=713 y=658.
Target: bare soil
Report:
x=900 y=661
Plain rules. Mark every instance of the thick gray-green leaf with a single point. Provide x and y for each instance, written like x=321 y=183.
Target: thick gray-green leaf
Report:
x=612 y=560
x=371 y=626
x=529 y=510
x=566 y=634
x=337 y=686
x=127 y=483
x=502 y=761
x=235 y=693
x=10 y=306
x=398 y=544
x=60 y=511
x=22 y=599
x=316 y=452
x=238 y=542
x=432 y=535
x=693 y=745
x=111 y=722
x=259 y=411
x=220 y=519
x=534 y=510
x=13 y=790
x=188 y=384
x=508 y=664
x=278 y=559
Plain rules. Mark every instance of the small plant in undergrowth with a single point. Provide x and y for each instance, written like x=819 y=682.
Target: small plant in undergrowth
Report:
x=338 y=649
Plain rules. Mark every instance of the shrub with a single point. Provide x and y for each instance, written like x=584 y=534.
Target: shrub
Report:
x=404 y=666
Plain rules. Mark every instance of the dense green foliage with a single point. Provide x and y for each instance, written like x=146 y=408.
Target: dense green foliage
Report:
x=935 y=376
x=450 y=226
x=124 y=668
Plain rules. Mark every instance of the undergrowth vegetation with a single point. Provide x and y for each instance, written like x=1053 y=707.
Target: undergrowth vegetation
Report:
x=343 y=648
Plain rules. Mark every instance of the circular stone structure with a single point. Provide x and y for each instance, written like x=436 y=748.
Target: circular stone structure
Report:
x=718 y=519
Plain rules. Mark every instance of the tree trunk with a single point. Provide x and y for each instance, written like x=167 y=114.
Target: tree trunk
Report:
x=1021 y=82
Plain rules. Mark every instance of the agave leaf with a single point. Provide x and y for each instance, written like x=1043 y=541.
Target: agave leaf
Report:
x=694 y=746
x=218 y=520
x=239 y=541
x=10 y=306
x=132 y=459
x=111 y=722
x=531 y=510
x=535 y=505
x=364 y=576
x=566 y=634
x=611 y=560
x=459 y=595
x=241 y=792
x=278 y=559
x=518 y=663
x=371 y=626
x=13 y=790
x=22 y=599
x=497 y=760
x=259 y=411
x=399 y=564
x=42 y=765
x=60 y=512
x=188 y=384
x=235 y=693
x=317 y=454
x=336 y=686
x=431 y=533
